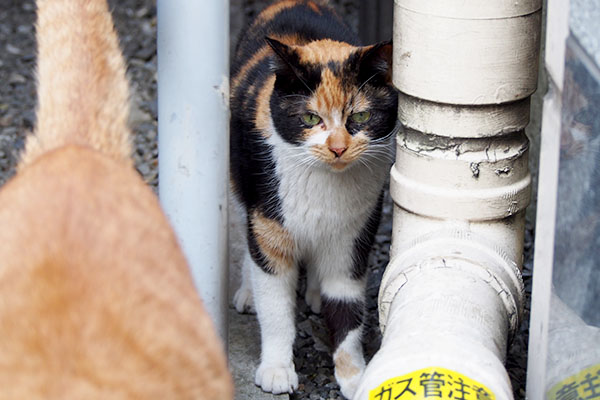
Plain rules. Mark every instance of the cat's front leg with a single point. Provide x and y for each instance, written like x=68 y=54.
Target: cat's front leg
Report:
x=274 y=278
x=343 y=310
x=242 y=299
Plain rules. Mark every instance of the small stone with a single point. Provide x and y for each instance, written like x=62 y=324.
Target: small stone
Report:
x=151 y=135
x=141 y=13
x=28 y=7
x=12 y=49
x=148 y=28
x=24 y=29
x=27 y=58
x=29 y=118
x=306 y=327
x=145 y=53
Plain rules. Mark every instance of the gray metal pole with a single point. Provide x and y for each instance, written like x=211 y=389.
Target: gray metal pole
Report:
x=193 y=141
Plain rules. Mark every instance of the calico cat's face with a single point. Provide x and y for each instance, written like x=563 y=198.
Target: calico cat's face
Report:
x=334 y=101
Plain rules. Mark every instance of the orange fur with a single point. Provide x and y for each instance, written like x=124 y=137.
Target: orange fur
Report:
x=275 y=242
x=344 y=367
x=270 y=12
x=323 y=51
x=96 y=300
x=314 y=7
x=263 y=110
x=78 y=64
x=330 y=96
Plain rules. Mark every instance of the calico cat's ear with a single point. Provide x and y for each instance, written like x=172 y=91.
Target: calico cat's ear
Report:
x=287 y=65
x=376 y=63
x=286 y=54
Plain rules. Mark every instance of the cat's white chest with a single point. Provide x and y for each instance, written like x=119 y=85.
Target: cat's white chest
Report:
x=321 y=207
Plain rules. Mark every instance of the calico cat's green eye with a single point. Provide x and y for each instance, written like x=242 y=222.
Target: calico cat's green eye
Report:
x=361 y=117
x=311 y=119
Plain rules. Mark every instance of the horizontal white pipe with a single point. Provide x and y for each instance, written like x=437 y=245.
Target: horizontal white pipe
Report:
x=193 y=43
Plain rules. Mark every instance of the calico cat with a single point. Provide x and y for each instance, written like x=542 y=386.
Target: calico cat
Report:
x=96 y=298
x=312 y=122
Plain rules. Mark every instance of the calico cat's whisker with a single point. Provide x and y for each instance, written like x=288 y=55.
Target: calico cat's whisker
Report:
x=367 y=81
x=364 y=162
x=379 y=156
x=386 y=137
x=302 y=96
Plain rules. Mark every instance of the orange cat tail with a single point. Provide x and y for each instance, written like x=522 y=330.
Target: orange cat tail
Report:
x=83 y=95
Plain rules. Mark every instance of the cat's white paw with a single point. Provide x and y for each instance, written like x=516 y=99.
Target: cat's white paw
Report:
x=349 y=364
x=242 y=300
x=313 y=299
x=276 y=379
x=348 y=383
x=348 y=386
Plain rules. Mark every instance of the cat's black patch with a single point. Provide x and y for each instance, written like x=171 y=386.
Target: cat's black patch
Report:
x=300 y=20
x=294 y=80
x=341 y=316
x=253 y=170
x=374 y=65
x=364 y=241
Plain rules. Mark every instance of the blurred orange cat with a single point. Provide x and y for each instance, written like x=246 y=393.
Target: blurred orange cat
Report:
x=96 y=300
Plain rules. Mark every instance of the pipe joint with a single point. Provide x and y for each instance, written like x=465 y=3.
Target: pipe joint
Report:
x=476 y=179
x=447 y=302
x=459 y=253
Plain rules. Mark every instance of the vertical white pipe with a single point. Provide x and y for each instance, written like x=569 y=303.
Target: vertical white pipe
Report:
x=193 y=140
x=557 y=30
x=452 y=295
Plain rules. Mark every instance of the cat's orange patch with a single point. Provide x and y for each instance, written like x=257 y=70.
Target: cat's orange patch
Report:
x=330 y=96
x=324 y=51
x=275 y=242
x=314 y=7
x=263 y=108
x=292 y=39
x=344 y=367
x=270 y=12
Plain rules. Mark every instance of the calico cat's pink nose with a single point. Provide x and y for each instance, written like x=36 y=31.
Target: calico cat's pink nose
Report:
x=338 y=151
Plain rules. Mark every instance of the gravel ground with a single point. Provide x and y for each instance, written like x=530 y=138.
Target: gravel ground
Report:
x=136 y=24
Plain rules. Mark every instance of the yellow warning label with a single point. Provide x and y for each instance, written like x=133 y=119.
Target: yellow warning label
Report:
x=583 y=385
x=431 y=383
